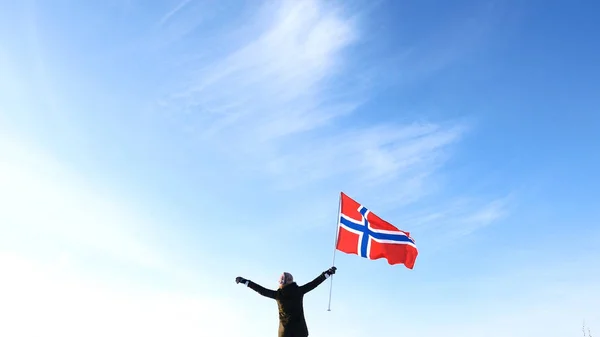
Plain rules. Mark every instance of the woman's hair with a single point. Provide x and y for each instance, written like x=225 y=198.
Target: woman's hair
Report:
x=285 y=279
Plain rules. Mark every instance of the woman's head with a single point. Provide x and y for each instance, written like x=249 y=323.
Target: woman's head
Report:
x=285 y=279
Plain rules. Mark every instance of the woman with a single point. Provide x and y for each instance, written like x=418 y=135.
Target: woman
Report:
x=289 y=299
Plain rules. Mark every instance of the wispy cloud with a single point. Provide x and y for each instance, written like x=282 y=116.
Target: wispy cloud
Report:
x=174 y=11
x=277 y=102
x=285 y=103
x=274 y=85
x=441 y=225
x=491 y=212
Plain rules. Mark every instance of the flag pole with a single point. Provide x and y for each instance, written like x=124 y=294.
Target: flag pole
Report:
x=335 y=247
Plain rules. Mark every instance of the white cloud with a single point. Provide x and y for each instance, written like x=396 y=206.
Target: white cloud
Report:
x=52 y=220
x=46 y=205
x=48 y=300
x=273 y=103
x=376 y=155
x=488 y=214
x=283 y=103
x=438 y=225
x=174 y=11
x=272 y=86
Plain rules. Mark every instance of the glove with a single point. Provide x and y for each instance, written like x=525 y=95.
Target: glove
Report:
x=330 y=271
x=240 y=280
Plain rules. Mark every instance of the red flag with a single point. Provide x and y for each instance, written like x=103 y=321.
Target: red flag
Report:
x=363 y=233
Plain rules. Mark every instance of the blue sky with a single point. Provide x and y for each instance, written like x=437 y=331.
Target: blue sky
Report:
x=151 y=153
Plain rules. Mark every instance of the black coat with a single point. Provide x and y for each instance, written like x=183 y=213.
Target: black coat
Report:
x=290 y=302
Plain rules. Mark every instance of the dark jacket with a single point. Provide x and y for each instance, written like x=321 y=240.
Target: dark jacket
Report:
x=290 y=302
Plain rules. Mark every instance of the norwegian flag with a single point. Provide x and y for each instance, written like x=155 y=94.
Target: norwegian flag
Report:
x=363 y=233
